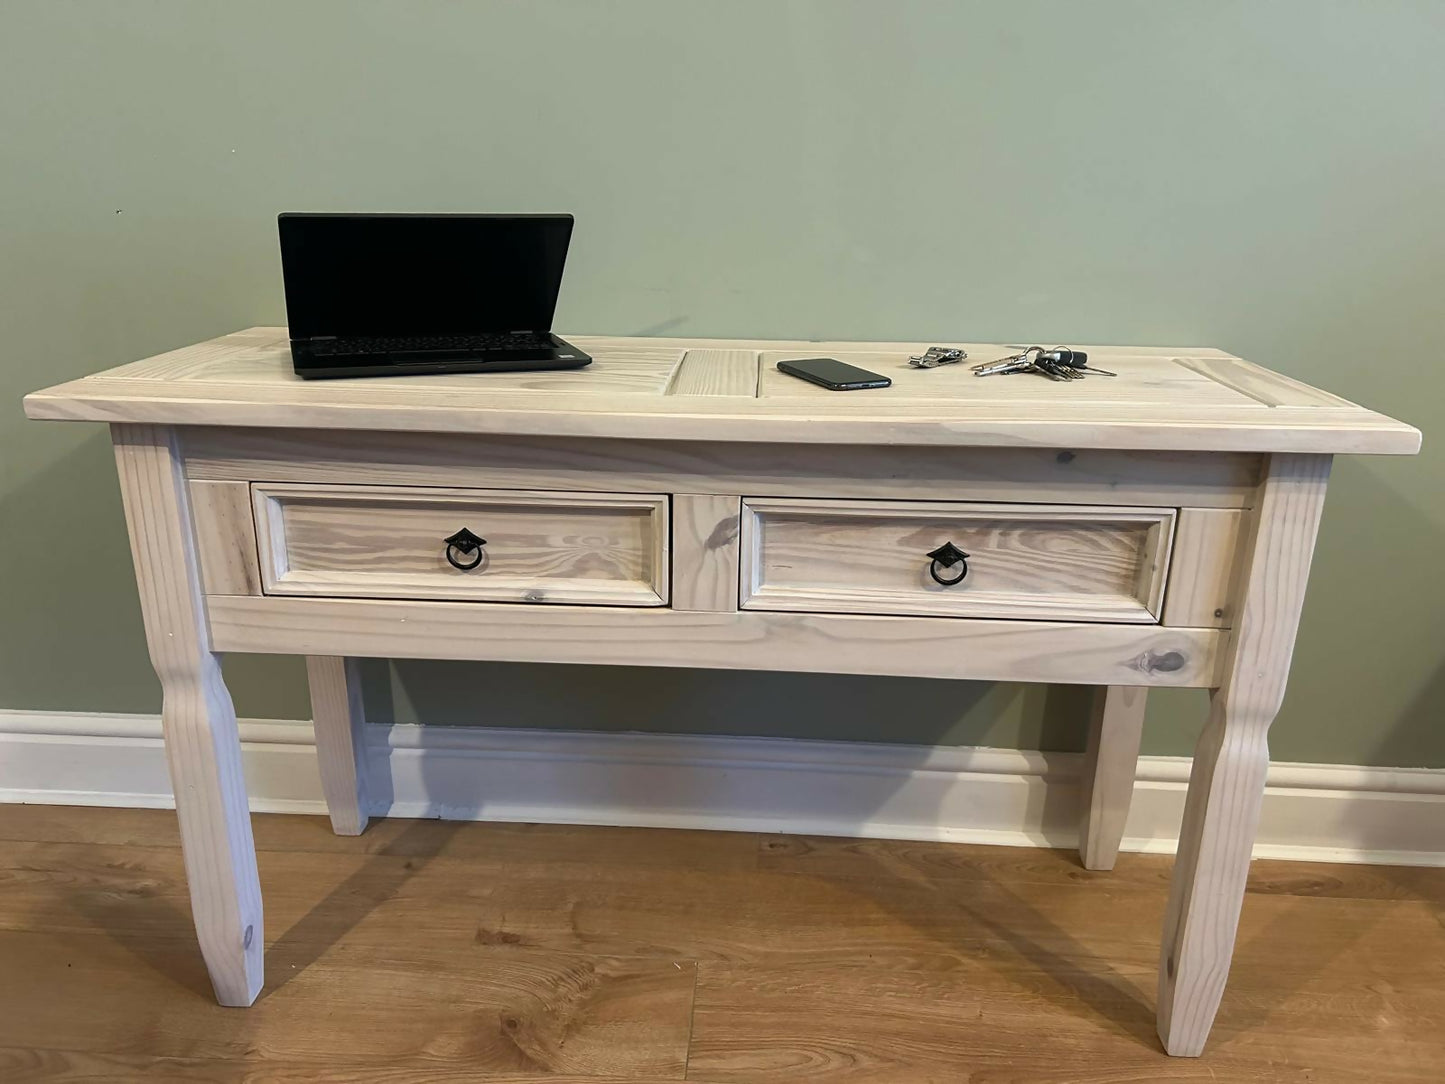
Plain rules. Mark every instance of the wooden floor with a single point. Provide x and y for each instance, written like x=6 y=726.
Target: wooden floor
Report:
x=439 y=952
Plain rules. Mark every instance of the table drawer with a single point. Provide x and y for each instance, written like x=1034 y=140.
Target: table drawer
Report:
x=1032 y=562
x=346 y=541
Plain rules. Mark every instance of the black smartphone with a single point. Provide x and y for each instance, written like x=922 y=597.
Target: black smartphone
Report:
x=833 y=374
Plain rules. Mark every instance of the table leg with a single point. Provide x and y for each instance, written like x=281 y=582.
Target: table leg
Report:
x=340 y=744
x=1110 y=761
x=1226 y=784
x=203 y=748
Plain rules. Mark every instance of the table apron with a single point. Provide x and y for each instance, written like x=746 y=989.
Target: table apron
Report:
x=985 y=650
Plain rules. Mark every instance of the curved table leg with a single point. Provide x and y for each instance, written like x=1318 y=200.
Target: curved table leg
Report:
x=1226 y=783
x=203 y=748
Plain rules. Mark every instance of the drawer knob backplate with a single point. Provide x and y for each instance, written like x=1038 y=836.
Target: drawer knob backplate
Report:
x=469 y=546
x=946 y=557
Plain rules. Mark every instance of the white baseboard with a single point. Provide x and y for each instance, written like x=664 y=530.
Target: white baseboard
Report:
x=1311 y=811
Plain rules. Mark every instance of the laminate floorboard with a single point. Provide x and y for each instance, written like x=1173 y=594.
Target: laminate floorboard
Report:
x=430 y=951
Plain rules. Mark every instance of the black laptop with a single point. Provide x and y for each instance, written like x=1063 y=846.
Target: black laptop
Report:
x=382 y=295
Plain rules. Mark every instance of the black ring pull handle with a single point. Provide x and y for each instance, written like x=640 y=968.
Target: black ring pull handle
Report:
x=467 y=544
x=946 y=556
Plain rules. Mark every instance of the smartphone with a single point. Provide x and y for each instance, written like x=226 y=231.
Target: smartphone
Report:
x=833 y=374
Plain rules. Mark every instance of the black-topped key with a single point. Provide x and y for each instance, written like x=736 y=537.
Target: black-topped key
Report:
x=1074 y=359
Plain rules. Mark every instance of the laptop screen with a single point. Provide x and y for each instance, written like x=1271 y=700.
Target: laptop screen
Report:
x=355 y=275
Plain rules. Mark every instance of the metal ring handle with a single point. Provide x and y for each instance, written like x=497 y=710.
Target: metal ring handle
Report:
x=468 y=545
x=962 y=572
x=947 y=556
x=464 y=566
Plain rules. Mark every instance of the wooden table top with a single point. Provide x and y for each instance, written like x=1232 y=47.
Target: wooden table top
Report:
x=1176 y=399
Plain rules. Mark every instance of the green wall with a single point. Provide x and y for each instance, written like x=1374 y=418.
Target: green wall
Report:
x=1264 y=177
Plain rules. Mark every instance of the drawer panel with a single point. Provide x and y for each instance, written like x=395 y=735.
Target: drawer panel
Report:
x=344 y=541
x=1030 y=562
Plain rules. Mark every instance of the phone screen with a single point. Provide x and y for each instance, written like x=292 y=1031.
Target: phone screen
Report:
x=832 y=373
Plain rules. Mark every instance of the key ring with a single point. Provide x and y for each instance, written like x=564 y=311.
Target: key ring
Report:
x=1013 y=363
x=1010 y=359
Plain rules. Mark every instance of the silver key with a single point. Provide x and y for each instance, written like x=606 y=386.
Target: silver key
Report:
x=1014 y=363
x=1001 y=361
x=1060 y=363
x=1009 y=365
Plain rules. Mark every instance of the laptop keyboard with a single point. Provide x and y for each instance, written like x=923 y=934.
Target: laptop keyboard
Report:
x=416 y=344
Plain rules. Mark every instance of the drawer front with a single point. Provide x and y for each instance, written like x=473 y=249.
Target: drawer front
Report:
x=344 y=541
x=1031 y=562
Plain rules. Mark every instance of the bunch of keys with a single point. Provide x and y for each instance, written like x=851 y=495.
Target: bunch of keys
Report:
x=1060 y=363
x=935 y=356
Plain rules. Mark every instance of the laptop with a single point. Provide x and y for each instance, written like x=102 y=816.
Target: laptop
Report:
x=383 y=294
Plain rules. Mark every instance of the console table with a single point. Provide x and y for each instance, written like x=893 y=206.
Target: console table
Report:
x=682 y=503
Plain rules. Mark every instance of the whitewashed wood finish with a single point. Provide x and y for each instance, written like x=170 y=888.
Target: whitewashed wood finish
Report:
x=754 y=640
x=245 y=379
x=699 y=422
x=705 y=552
x=203 y=749
x=1202 y=568
x=1261 y=384
x=388 y=542
x=716 y=372
x=1154 y=379
x=1226 y=783
x=339 y=716
x=1037 y=562
x=225 y=538
x=1110 y=760
x=1097 y=476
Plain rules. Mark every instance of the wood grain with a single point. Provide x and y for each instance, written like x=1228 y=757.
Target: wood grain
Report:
x=246 y=380
x=1111 y=760
x=1203 y=568
x=225 y=538
x=357 y=499
x=22 y=1065
x=1261 y=384
x=754 y=640
x=923 y=423
x=339 y=716
x=746 y=959
x=203 y=750
x=1041 y=562
x=705 y=552
x=459 y=1004
x=1226 y=783
x=388 y=542
x=1142 y=379
x=716 y=372
x=582 y=892
x=468 y=460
